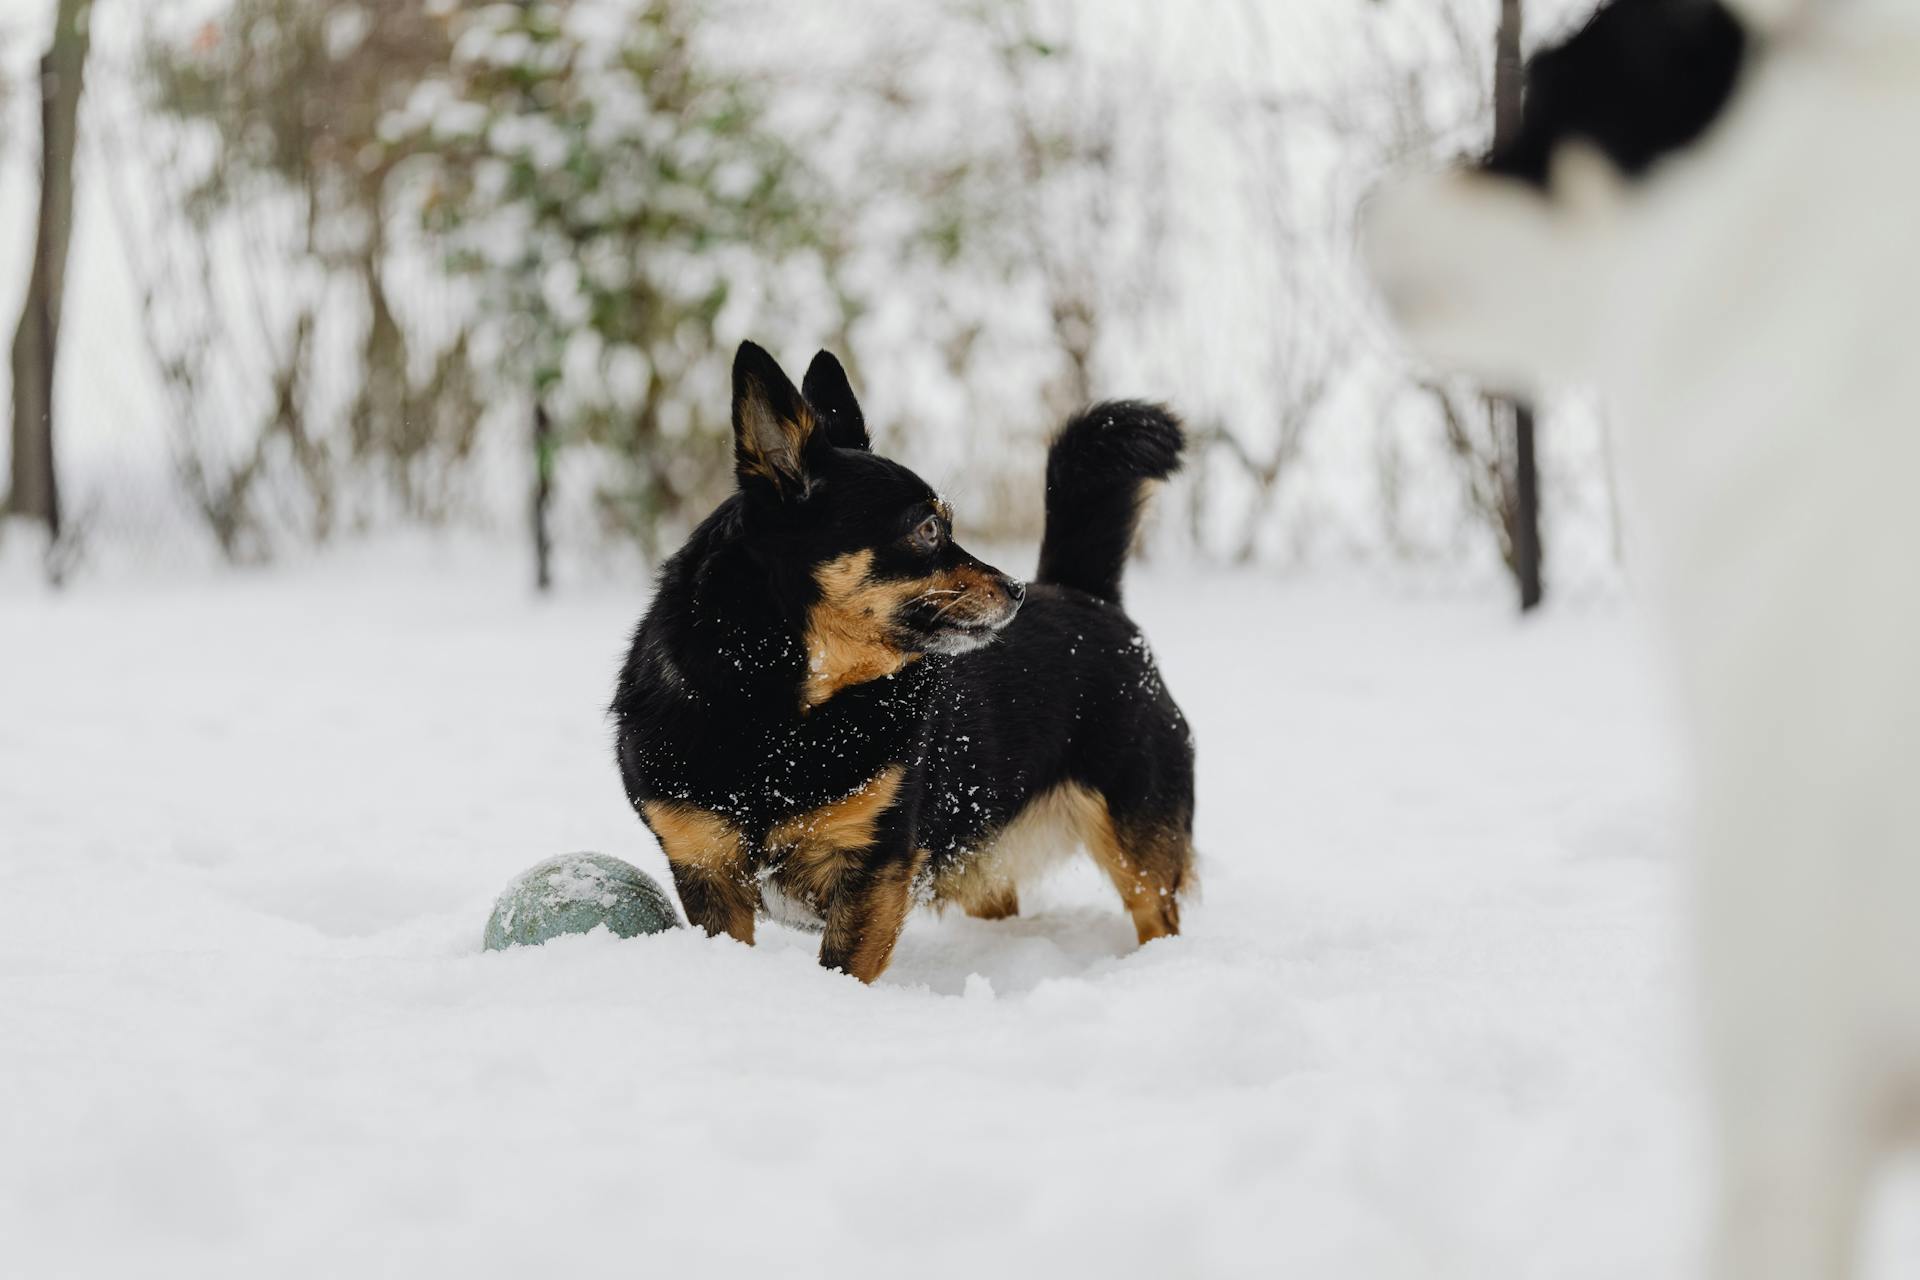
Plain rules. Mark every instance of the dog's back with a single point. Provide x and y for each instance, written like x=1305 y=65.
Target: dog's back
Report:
x=1748 y=307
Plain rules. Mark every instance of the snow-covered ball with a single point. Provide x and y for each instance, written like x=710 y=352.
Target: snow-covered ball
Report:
x=575 y=893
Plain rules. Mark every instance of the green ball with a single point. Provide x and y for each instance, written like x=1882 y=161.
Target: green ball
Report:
x=574 y=893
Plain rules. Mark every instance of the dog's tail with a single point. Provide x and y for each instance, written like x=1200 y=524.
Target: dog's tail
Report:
x=1098 y=476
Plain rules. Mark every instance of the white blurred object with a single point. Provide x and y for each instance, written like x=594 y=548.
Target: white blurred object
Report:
x=1768 y=15
x=1750 y=310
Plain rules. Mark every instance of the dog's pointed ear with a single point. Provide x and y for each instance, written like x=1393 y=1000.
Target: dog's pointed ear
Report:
x=831 y=395
x=773 y=427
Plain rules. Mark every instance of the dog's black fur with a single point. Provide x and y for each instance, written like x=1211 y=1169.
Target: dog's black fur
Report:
x=831 y=704
x=1642 y=79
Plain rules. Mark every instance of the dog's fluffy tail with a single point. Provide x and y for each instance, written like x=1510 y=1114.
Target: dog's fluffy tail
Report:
x=1098 y=477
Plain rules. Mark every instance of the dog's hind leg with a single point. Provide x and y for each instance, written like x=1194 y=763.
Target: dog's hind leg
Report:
x=1000 y=901
x=1150 y=863
x=710 y=867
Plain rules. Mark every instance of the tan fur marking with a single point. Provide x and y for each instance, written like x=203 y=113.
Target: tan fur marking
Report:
x=971 y=580
x=773 y=444
x=1046 y=831
x=862 y=929
x=849 y=631
x=999 y=903
x=693 y=836
x=1148 y=867
x=815 y=847
x=709 y=861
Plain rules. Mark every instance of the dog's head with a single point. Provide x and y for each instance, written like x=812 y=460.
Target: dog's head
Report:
x=1506 y=269
x=859 y=547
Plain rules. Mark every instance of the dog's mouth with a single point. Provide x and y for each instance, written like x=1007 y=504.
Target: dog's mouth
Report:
x=956 y=635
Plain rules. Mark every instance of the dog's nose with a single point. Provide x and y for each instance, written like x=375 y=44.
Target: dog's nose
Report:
x=1016 y=590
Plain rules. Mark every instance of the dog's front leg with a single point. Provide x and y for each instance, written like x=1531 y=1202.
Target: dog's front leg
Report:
x=711 y=868
x=868 y=908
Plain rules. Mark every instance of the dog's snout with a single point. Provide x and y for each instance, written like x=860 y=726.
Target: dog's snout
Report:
x=1016 y=589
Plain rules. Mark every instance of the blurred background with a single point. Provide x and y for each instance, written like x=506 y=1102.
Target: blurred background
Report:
x=325 y=268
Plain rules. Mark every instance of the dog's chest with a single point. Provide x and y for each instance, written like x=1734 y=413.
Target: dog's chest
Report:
x=764 y=762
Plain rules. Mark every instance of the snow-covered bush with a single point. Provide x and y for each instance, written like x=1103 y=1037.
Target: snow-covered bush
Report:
x=297 y=380
x=612 y=195
x=371 y=237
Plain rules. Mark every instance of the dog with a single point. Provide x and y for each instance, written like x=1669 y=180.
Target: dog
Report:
x=1710 y=215
x=831 y=712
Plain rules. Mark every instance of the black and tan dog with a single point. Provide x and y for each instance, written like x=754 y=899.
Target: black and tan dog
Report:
x=832 y=709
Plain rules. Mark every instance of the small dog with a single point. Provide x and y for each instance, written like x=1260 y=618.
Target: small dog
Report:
x=832 y=711
x=1711 y=214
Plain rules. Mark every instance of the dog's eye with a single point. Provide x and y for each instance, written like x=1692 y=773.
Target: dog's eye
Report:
x=928 y=535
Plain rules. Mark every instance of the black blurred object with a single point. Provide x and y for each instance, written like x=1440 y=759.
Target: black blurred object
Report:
x=1641 y=79
x=544 y=448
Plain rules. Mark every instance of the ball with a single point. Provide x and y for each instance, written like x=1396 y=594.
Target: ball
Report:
x=575 y=893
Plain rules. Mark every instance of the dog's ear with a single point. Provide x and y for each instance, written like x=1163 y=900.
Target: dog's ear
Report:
x=831 y=396
x=774 y=429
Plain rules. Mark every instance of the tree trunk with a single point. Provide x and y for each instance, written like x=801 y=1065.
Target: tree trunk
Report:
x=1509 y=74
x=543 y=458
x=34 y=493
x=1509 y=97
x=1526 y=510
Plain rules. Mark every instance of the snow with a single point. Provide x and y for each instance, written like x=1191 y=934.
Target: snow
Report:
x=1426 y=1018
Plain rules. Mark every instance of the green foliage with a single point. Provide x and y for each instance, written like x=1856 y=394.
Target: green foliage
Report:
x=294 y=96
x=295 y=93
x=601 y=191
x=613 y=193
x=600 y=196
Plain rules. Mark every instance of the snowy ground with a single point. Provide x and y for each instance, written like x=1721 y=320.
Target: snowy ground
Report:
x=1425 y=1021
